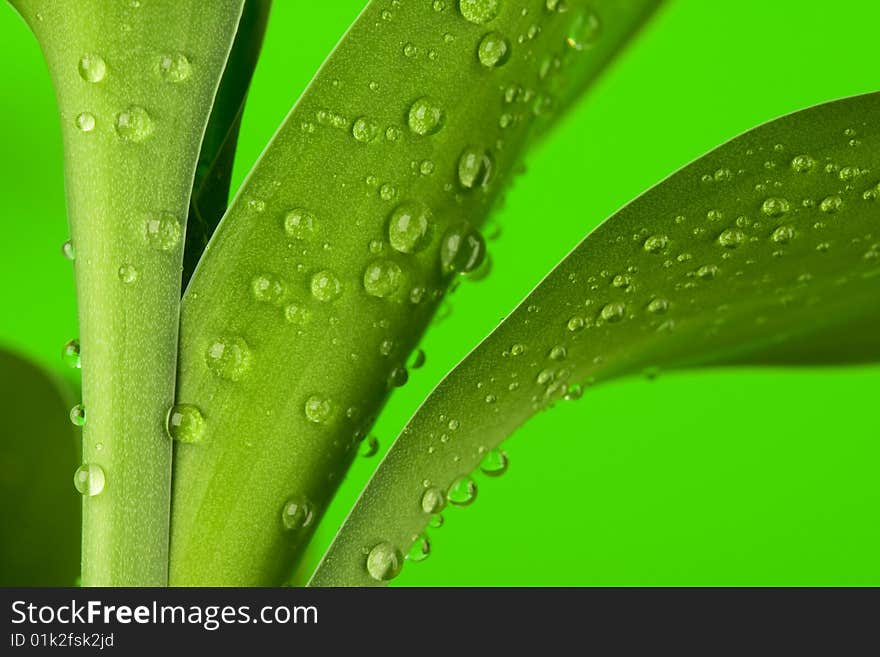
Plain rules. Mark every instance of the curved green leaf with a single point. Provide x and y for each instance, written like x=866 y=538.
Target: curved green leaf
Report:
x=300 y=316
x=766 y=251
x=39 y=509
x=134 y=83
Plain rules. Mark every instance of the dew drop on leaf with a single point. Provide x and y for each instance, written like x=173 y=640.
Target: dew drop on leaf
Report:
x=325 y=286
x=92 y=68
x=494 y=463
x=85 y=122
x=409 y=227
x=462 y=492
x=475 y=167
x=494 y=50
x=479 y=11
x=420 y=550
x=128 y=274
x=228 y=357
x=78 y=415
x=134 y=124
x=269 y=289
x=365 y=130
x=425 y=117
x=585 y=30
x=70 y=354
x=174 y=67
x=433 y=500
x=369 y=447
x=318 y=409
x=185 y=424
x=384 y=562
x=297 y=514
x=656 y=244
x=162 y=232
x=68 y=251
x=382 y=278
x=462 y=249
x=775 y=207
x=300 y=224
x=89 y=479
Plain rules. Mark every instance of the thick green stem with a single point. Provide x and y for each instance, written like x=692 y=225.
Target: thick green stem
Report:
x=135 y=82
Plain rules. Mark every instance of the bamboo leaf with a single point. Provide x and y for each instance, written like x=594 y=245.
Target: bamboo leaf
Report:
x=764 y=251
x=325 y=270
x=135 y=83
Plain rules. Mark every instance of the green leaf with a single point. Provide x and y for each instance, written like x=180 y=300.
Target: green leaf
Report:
x=327 y=267
x=214 y=171
x=39 y=508
x=764 y=251
x=135 y=83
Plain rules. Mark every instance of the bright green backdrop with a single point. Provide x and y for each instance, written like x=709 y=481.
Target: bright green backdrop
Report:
x=758 y=477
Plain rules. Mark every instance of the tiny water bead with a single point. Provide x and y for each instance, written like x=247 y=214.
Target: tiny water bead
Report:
x=268 y=288
x=433 y=500
x=775 y=207
x=475 y=167
x=425 y=117
x=175 y=67
x=382 y=278
x=384 y=562
x=92 y=68
x=325 y=286
x=318 y=410
x=297 y=514
x=479 y=11
x=365 y=130
x=300 y=224
x=85 y=122
x=78 y=415
x=68 y=251
x=89 y=479
x=70 y=354
x=420 y=550
x=162 y=232
x=185 y=424
x=462 y=249
x=462 y=492
x=494 y=464
x=369 y=447
x=409 y=227
x=494 y=50
x=134 y=124
x=127 y=274
x=585 y=30
x=228 y=357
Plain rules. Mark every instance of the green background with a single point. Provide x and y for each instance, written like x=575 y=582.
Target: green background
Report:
x=734 y=477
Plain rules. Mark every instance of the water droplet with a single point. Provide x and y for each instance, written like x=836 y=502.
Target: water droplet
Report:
x=326 y=286
x=70 y=354
x=85 y=121
x=398 y=377
x=297 y=514
x=68 y=251
x=185 y=424
x=656 y=244
x=613 y=312
x=775 y=207
x=494 y=463
x=364 y=130
x=268 y=288
x=802 y=163
x=300 y=224
x=318 y=409
x=575 y=324
x=369 y=447
x=433 y=500
x=418 y=359
x=479 y=11
x=783 y=235
x=297 y=314
x=425 y=117
x=494 y=50
x=134 y=124
x=228 y=357
x=92 y=68
x=384 y=562
x=78 y=415
x=162 y=232
x=420 y=550
x=831 y=204
x=658 y=306
x=127 y=274
x=175 y=67
x=382 y=278
x=731 y=238
x=558 y=353
x=475 y=167
x=462 y=492
x=707 y=272
x=409 y=228
x=89 y=479
x=585 y=30
x=462 y=249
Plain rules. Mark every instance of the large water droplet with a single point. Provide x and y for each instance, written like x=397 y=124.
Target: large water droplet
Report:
x=425 y=117
x=462 y=492
x=92 y=68
x=613 y=312
x=162 y=232
x=462 y=249
x=382 y=278
x=775 y=207
x=420 y=550
x=89 y=479
x=318 y=409
x=78 y=415
x=384 y=562
x=175 y=67
x=300 y=224
x=479 y=11
x=494 y=50
x=85 y=121
x=185 y=424
x=268 y=288
x=326 y=286
x=297 y=514
x=134 y=124
x=494 y=463
x=127 y=274
x=475 y=167
x=70 y=354
x=433 y=500
x=365 y=130
x=656 y=243
x=409 y=228
x=228 y=357
x=585 y=30
x=731 y=238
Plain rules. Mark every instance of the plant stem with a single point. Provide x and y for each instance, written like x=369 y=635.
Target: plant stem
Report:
x=135 y=83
